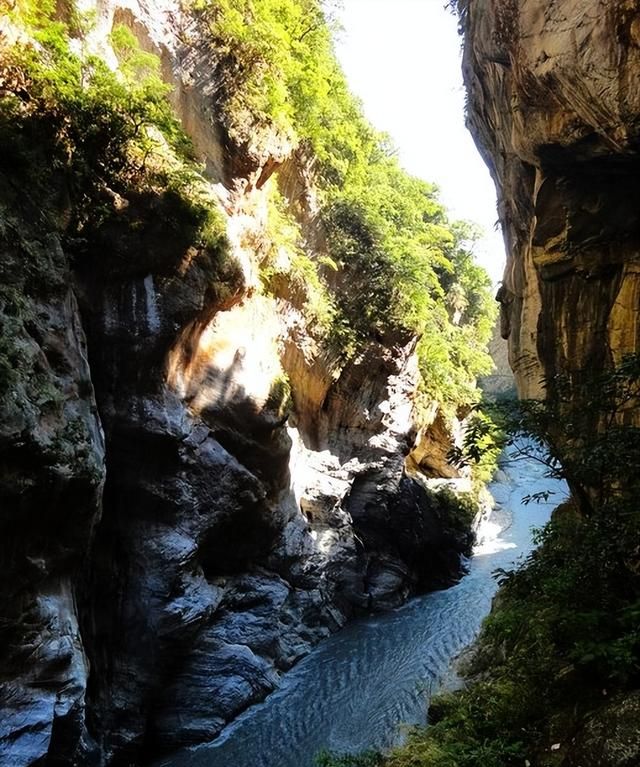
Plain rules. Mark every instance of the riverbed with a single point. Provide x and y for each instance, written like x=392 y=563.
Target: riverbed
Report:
x=362 y=687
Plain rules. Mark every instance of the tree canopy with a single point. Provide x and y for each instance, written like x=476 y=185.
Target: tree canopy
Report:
x=402 y=264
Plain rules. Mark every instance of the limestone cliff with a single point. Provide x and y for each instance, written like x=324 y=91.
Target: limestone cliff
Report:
x=194 y=489
x=500 y=384
x=554 y=104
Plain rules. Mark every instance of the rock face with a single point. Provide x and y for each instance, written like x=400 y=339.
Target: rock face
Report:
x=176 y=527
x=500 y=384
x=52 y=476
x=554 y=105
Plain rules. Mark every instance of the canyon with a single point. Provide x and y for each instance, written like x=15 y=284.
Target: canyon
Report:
x=196 y=489
x=553 y=104
x=218 y=441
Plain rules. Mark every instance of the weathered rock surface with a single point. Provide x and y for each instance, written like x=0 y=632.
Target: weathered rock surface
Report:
x=51 y=479
x=161 y=575
x=554 y=105
x=501 y=382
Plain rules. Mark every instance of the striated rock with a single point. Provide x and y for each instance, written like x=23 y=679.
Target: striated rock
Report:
x=250 y=490
x=231 y=542
x=554 y=106
x=51 y=479
x=429 y=454
x=500 y=384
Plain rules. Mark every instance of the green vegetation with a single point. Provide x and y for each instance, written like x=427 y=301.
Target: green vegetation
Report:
x=401 y=264
x=94 y=121
x=77 y=139
x=397 y=266
x=564 y=634
x=369 y=759
x=287 y=269
x=393 y=267
x=485 y=438
x=277 y=70
x=78 y=142
x=279 y=399
x=102 y=132
x=456 y=510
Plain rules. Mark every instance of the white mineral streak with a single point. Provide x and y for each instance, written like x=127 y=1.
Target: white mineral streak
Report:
x=153 y=317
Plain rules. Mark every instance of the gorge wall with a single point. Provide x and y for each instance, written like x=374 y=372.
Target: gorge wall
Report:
x=194 y=487
x=554 y=105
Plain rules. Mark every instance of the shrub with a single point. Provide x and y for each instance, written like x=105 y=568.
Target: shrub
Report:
x=566 y=623
x=400 y=262
x=287 y=269
x=368 y=759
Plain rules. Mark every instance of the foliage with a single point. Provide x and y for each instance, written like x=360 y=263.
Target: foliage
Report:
x=287 y=269
x=457 y=510
x=566 y=623
x=399 y=263
x=279 y=400
x=92 y=120
x=100 y=130
x=402 y=268
x=384 y=237
x=277 y=68
x=367 y=759
x=587 y=420
x=462 y=736
x=483 y=441
x=142 y=76
x=78 y=143
x=395 y=264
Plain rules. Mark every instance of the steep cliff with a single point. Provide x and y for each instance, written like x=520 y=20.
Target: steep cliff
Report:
x=209 y=395
x=554 y=106
x=500 y=384
x=553 y=102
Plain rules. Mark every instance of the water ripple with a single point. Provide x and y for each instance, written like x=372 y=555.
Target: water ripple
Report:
x=360 y=687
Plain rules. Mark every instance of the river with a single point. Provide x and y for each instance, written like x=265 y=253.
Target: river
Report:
x=360 y=687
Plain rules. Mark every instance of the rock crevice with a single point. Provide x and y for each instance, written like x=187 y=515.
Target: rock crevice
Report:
x=193 y=490
x=556 y=118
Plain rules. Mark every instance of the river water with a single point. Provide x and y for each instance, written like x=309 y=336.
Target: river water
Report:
x=361 y=687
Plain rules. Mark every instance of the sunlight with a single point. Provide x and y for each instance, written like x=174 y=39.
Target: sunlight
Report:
x=402 y=58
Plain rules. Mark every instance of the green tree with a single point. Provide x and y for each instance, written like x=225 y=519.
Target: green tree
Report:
x=399 y=259
x=566 y=623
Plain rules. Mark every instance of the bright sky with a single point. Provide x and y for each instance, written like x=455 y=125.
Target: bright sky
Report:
x=402 y=58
